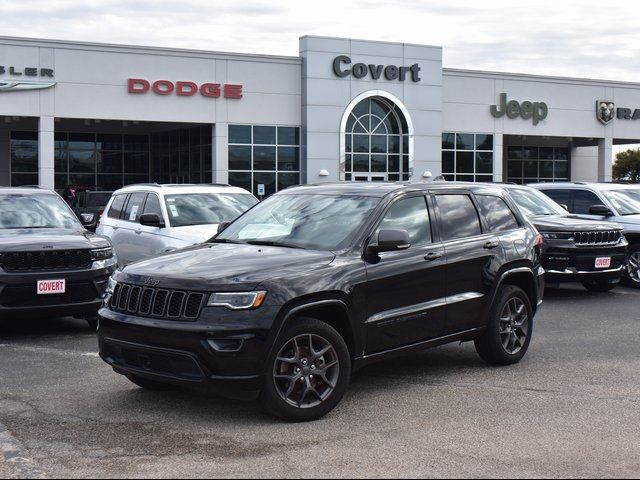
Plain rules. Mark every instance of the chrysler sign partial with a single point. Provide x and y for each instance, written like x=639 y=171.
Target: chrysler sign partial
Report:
x=29 y=73
x=22 y=86
x=184 y=89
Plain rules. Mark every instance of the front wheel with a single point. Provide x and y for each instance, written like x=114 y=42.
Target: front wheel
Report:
x=508 y=334
x=632 y=267
x=308 y=372
x=599 y=287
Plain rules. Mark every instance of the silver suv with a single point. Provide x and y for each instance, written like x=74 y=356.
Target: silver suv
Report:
x=143 y=221
x=613 y=202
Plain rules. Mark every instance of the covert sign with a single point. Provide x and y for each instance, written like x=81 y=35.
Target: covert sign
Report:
x=538 y=111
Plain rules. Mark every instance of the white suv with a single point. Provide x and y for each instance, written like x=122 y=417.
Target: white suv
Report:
x=146 y=220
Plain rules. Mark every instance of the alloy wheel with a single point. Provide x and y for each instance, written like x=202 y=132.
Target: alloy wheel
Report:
x=306 y=371
x=514 y=326
x=633 y=267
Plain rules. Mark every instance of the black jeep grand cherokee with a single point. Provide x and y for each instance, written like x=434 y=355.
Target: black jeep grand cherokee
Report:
x=317 y=281
x=48 y=262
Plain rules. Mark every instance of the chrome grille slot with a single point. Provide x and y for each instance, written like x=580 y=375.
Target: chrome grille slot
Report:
x=602 y=238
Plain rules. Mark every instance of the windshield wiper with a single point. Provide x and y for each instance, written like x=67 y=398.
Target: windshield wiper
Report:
x=268 y=243
x=223 y=240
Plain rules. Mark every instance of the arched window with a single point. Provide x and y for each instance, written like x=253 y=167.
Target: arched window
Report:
x=377 y=144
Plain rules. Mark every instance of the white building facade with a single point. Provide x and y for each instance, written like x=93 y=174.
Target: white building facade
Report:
x=104 y=116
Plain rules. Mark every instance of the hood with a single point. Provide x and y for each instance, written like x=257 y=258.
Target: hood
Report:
x=230 y=267
x=569 y=223
x=35 y=240
x=628 y=220
x=193 y=234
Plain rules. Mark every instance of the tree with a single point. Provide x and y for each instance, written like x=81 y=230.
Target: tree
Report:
x=627 y=166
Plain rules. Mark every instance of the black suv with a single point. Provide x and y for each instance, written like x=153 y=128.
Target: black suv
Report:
x=575 y=250
x=49 y=263
x=317 y=281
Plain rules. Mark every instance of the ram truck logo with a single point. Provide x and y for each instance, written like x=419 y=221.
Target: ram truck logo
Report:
x=23 y=86
x=605 y=111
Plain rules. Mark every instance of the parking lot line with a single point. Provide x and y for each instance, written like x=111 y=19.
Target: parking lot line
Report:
x=16 y=457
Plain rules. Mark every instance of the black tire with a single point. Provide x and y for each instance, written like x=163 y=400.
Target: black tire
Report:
x=280 y=395
x=599 y=287
x=152 y=385
x=632 y=273
x=491 y=344
x=92 y=322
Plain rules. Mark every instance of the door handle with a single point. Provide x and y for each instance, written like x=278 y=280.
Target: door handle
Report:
x=433 y=256
x=491 y=245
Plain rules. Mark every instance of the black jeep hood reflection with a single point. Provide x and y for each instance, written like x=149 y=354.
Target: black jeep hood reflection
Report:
x=568 y=223
x=231 y=267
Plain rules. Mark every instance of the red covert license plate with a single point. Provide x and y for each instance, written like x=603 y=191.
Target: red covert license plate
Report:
x=51 y=287
x=603 y=262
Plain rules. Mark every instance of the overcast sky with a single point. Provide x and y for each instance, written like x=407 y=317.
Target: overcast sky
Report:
x=596 y=39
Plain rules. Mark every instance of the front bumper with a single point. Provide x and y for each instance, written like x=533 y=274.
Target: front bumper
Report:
x=84 y=295
x=226 y=354
x=577 y=264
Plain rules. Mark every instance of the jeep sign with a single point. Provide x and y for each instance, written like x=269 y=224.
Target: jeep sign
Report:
x=538 y=111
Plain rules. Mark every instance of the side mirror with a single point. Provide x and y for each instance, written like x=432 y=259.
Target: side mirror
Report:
x=223 y=226
x=88 y=219
x=566 y=207
x=390 y=240
x=600 y=210
x=151 y=220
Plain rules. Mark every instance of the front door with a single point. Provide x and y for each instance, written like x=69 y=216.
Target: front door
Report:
x=405 y=289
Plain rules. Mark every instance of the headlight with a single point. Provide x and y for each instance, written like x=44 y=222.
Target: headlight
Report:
x=101 y=254
x=237 y=301
x=111 y=286
x=557 y=235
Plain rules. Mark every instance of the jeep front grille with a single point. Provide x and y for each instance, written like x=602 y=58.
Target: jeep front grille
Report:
x=590 y=239
x=48 y=261
x=160 y=303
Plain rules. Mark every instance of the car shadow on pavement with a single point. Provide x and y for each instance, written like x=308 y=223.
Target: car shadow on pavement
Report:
x=40 y=326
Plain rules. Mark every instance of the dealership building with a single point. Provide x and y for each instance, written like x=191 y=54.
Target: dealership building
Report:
x=103 y=116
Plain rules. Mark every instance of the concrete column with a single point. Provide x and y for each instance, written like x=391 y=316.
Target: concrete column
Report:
x=498 y=157
x=221 y=153
x=5 y=158
x=46 y=150
x=605 y=159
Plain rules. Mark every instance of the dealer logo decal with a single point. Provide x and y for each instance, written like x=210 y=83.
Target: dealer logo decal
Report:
x=605 y=111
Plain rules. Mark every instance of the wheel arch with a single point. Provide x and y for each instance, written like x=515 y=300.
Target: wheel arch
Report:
x=523 y=278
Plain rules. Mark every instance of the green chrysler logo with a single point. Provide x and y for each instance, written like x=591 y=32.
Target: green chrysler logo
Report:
x=538 y=111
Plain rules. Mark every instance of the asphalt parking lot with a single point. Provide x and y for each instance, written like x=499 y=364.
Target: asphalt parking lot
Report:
x=570 y=409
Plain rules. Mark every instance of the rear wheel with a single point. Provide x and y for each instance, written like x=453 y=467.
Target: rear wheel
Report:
x=599 y=286
x=308 y=373
x=508 y=334
x=632 y=267
x=152 y=385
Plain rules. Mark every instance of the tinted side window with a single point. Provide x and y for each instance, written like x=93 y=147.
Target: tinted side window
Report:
x=410 y=214
x=153 y=205
x=134 y=207
x=583 y=200
x=117 y=206
x=498 y=214
x=562 y=197
x=458 y=217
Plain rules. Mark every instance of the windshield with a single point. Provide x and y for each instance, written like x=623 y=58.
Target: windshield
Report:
x=626 y=202
x=319 y=222
x=35 y=211
x=534 y=203
x=207 y=208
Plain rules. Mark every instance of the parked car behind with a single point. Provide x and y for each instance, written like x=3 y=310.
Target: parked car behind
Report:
x=49 y=264
x=143 y=221
x=591 y=252
x=317 y=280
x=90 y=204
x=605 y=201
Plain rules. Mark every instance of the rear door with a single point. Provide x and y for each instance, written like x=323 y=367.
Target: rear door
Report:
x=471 y=254
x=127 y=236
x=151 y=241
x=406 y=289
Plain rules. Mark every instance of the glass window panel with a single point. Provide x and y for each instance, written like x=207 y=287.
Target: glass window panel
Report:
x=264 y=158
x=561 y=153
x=60 y=140
x=24 y=140
x=82 y=141
x=484 y=178
x=351 y=121
x=207 y=158
x=378 y=144
x=498 y=215
x=530 y=153
x=152 y=205
x=546 y=169
x=109 y=142
x=462 y=219
x=361 y=143
x=61 y=180
x=347 y=177
x=406 y=177
x=464 y=162
x=465 y=141
x=361 y=163
x=135 y=179
x=411 y=215
x=239 y=157
x=268 y=179
x=347 y=163
x=136 y=143
x=405 y=144
x=393 y=177
x=484 y=142
x=24 y=160
x=465 y=178
x=531 y=168
x=515 y=153
x=546 y=153
x=240 y=134
x=137 y=162
x=82 y=180
x=448 y=141
x=484 y=162
x=561 y=170
x=450 y=178
x=289 y=158
x=194 y=160
x=82 y=162
x=514 y=169
x=241 y=179
x=359 y=128
x=264 y=135
x=378 y=163
x=405 y=163
x=110 y=162
x=134 y=207
x=286 y=180
x=394 y=163
x=19 y=179
x=109 y=182
x=288 y=136
x=394 y=144
x=348 y=141
x=448 y=162
x=194 y=136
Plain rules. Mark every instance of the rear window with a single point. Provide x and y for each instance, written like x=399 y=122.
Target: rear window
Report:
x=134 y=207
x=499 y=216
x=458 y=217
x=116 y=207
